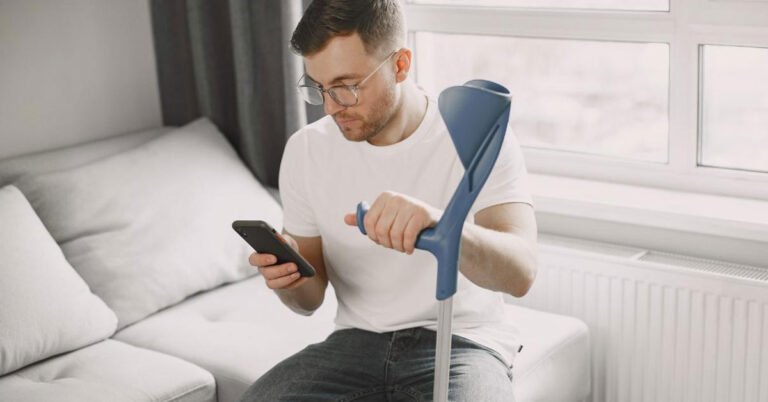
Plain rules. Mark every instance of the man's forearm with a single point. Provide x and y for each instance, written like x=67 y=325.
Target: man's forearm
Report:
x=496 y=260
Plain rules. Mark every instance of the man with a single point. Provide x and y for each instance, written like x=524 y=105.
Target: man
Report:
x=384 y=140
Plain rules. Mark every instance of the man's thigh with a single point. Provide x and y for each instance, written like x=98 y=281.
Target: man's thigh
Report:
x=476 y=374
x=346 y=362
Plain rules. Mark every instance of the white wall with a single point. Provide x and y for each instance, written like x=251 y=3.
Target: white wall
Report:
x=73 y=71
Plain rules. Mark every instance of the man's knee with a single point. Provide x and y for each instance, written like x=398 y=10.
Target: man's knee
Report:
x=477 y=375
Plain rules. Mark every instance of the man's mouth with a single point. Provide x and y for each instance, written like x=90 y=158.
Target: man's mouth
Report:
x=345 y=122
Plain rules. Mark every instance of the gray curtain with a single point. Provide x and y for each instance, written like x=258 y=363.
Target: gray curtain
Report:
x=229 y=60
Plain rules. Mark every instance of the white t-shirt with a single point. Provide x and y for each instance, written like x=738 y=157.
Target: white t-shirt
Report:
x=323 y=176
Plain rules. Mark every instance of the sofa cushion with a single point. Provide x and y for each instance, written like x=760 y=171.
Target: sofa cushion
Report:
x=45 y=308
x=110 y=371
x=150 y=226
x=554 y=364
x=237 y=332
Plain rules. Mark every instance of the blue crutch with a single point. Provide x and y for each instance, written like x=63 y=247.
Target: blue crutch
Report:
x=476 y=115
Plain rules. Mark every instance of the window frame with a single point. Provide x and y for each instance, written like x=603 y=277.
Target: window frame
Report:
x=686 y=27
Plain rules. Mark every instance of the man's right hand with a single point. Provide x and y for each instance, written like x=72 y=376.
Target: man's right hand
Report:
x=284 y=276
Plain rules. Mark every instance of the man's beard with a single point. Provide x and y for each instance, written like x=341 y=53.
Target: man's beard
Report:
x=381 y=115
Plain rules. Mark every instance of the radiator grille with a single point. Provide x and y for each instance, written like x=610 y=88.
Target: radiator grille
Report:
x=662 y=326
x=702 y=264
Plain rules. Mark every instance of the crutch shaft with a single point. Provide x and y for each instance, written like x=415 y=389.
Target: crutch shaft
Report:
x=443 y=349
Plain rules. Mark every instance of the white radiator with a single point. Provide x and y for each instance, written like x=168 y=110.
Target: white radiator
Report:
x=663 y=327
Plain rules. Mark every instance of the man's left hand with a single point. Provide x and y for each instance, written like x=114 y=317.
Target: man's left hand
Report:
x=395 y=220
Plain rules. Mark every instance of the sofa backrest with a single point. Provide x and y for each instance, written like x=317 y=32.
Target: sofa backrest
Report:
x=12 y=169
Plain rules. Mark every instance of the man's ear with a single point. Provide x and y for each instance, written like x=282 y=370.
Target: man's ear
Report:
x=403 y=63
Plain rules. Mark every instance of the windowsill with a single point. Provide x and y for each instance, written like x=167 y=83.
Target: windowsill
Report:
x=719 y=227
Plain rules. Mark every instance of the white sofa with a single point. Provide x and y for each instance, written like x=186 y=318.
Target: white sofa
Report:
x=122 y=280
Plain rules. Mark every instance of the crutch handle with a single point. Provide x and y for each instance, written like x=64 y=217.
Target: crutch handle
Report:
x=440 y=245
x=362 y=210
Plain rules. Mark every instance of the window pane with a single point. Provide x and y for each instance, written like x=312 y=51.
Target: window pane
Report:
x=734 y=107
x=645 y=5
x=607 y=98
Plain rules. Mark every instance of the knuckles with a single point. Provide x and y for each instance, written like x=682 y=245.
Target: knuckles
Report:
x=383 y=234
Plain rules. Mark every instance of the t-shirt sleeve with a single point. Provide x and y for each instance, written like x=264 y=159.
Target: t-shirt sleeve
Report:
x=508 y=181
x=298 y=214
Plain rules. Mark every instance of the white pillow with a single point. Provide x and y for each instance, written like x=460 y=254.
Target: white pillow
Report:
x=45 y=308
x=150 y=226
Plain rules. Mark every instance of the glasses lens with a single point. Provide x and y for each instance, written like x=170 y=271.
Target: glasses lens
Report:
x=311 y=95
x=345 y=96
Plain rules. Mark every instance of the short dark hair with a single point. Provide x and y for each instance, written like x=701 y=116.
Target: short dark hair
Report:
x=379 y=23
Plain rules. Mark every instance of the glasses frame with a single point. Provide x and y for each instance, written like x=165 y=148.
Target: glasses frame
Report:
x=352 y=88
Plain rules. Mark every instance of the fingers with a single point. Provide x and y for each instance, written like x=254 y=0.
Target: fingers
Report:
x=380 y=217
x=261 y=260
x=285 y=282
x=372 y=216
x=384 y=225
x=278 y=271
x=280 y=276
x=283 y=276
x=395 y=221
x=296 y=284
x=396 y=232
x=410 y=234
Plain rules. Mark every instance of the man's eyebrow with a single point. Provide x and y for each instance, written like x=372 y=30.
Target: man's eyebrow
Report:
x=337 y=79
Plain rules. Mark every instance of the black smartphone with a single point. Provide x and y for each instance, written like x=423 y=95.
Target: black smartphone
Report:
x=265 y=240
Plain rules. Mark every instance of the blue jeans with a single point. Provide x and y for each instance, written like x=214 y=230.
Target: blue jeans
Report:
x=357 y=365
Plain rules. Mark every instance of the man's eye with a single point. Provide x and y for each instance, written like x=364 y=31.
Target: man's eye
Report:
x=344 y=84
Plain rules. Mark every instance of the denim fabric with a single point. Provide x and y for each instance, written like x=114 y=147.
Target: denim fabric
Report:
x=357 y=365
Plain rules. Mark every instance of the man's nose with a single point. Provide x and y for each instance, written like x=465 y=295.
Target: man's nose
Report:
x=330 y=105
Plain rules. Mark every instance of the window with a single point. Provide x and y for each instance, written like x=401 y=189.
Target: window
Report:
x=650 y=5
x=667 y=94
x=734 y=107
x=594 y=97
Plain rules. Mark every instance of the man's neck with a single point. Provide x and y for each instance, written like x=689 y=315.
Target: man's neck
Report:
x=406 y=120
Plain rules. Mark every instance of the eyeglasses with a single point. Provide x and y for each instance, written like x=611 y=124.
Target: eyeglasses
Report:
x=344 y=95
